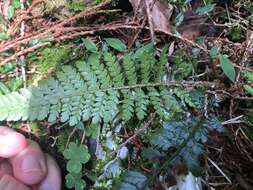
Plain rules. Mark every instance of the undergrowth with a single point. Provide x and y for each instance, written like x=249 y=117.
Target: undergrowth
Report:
x=99 y=87
x=129 y=117
x=107 y=87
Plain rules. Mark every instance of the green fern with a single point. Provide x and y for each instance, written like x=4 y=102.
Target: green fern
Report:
x=98 y=88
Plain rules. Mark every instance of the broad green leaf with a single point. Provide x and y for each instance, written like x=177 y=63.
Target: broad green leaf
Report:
x=248 y=89
x=116 y=44
x=90 y=45
x=10 y=12
x=205 y=9
x=227 y=67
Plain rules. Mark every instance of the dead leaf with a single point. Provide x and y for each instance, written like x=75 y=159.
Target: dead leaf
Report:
x=193 y=26
x=160 y=13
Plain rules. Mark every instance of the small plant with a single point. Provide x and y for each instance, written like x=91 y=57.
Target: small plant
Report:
x=226 y=64
x=249 y=86
x=236 y=33
x=77 y=156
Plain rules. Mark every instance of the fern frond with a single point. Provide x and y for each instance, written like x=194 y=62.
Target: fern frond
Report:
x=129 y=68
x=97 y=89
x=156 y=101
x=127 y=105
x=184 y=96
x=161 y=64
x=114 y=69
x=145 y=56
x=14 y=106
x=141 y=102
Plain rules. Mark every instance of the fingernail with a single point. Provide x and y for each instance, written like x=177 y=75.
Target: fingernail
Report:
x=31 y=164
x=46 y=187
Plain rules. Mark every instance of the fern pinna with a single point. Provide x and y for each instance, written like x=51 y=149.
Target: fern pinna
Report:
x=98 y=88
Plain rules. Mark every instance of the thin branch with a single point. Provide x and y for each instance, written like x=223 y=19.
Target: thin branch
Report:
x=45 y=31
x=136 y=133
x=23 y=52
x=150 y=20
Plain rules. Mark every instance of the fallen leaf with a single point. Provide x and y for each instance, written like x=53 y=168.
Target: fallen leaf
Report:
x=192 y=26
x=161 y=13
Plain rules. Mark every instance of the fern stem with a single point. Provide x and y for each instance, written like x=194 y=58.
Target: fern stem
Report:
x=186 y=84
x=168 y=84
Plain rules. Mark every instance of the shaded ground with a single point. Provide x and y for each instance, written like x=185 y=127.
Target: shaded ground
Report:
x=228 y=157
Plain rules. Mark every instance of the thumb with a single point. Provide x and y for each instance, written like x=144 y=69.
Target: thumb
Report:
x=11 y=142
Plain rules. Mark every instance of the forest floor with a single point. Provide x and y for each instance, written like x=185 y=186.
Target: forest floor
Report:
x=209 y=51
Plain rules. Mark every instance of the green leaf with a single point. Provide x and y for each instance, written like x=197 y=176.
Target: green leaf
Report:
x=77 y=155
x=133 y=180
x=214 y=51
x=75 y=181
x=190 y=155
x=15 y=3
x=10 y=12
x=227 y=67
x=150 y=153
x=92 y=131
x=248 y=89
x=248 y=75
x=3 y=36
x=236 y=33
x=205 y=9
x=90 y=45
x=116 y=44
x=4 y=89
x=73 y=166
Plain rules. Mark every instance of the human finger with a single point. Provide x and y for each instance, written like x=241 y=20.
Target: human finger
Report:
x=29 y=165
x=5 y=168
x=53 y=179
x=11 y=142
x=8 y=182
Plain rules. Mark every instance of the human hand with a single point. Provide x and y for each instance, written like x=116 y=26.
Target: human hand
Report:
x=23 y=165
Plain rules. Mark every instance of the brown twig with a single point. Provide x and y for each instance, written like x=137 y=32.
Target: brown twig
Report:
x=45 y=31
x=138 y=132
x=150 y=19
x=70 y=136
x=23 y=17
x=23 y=52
